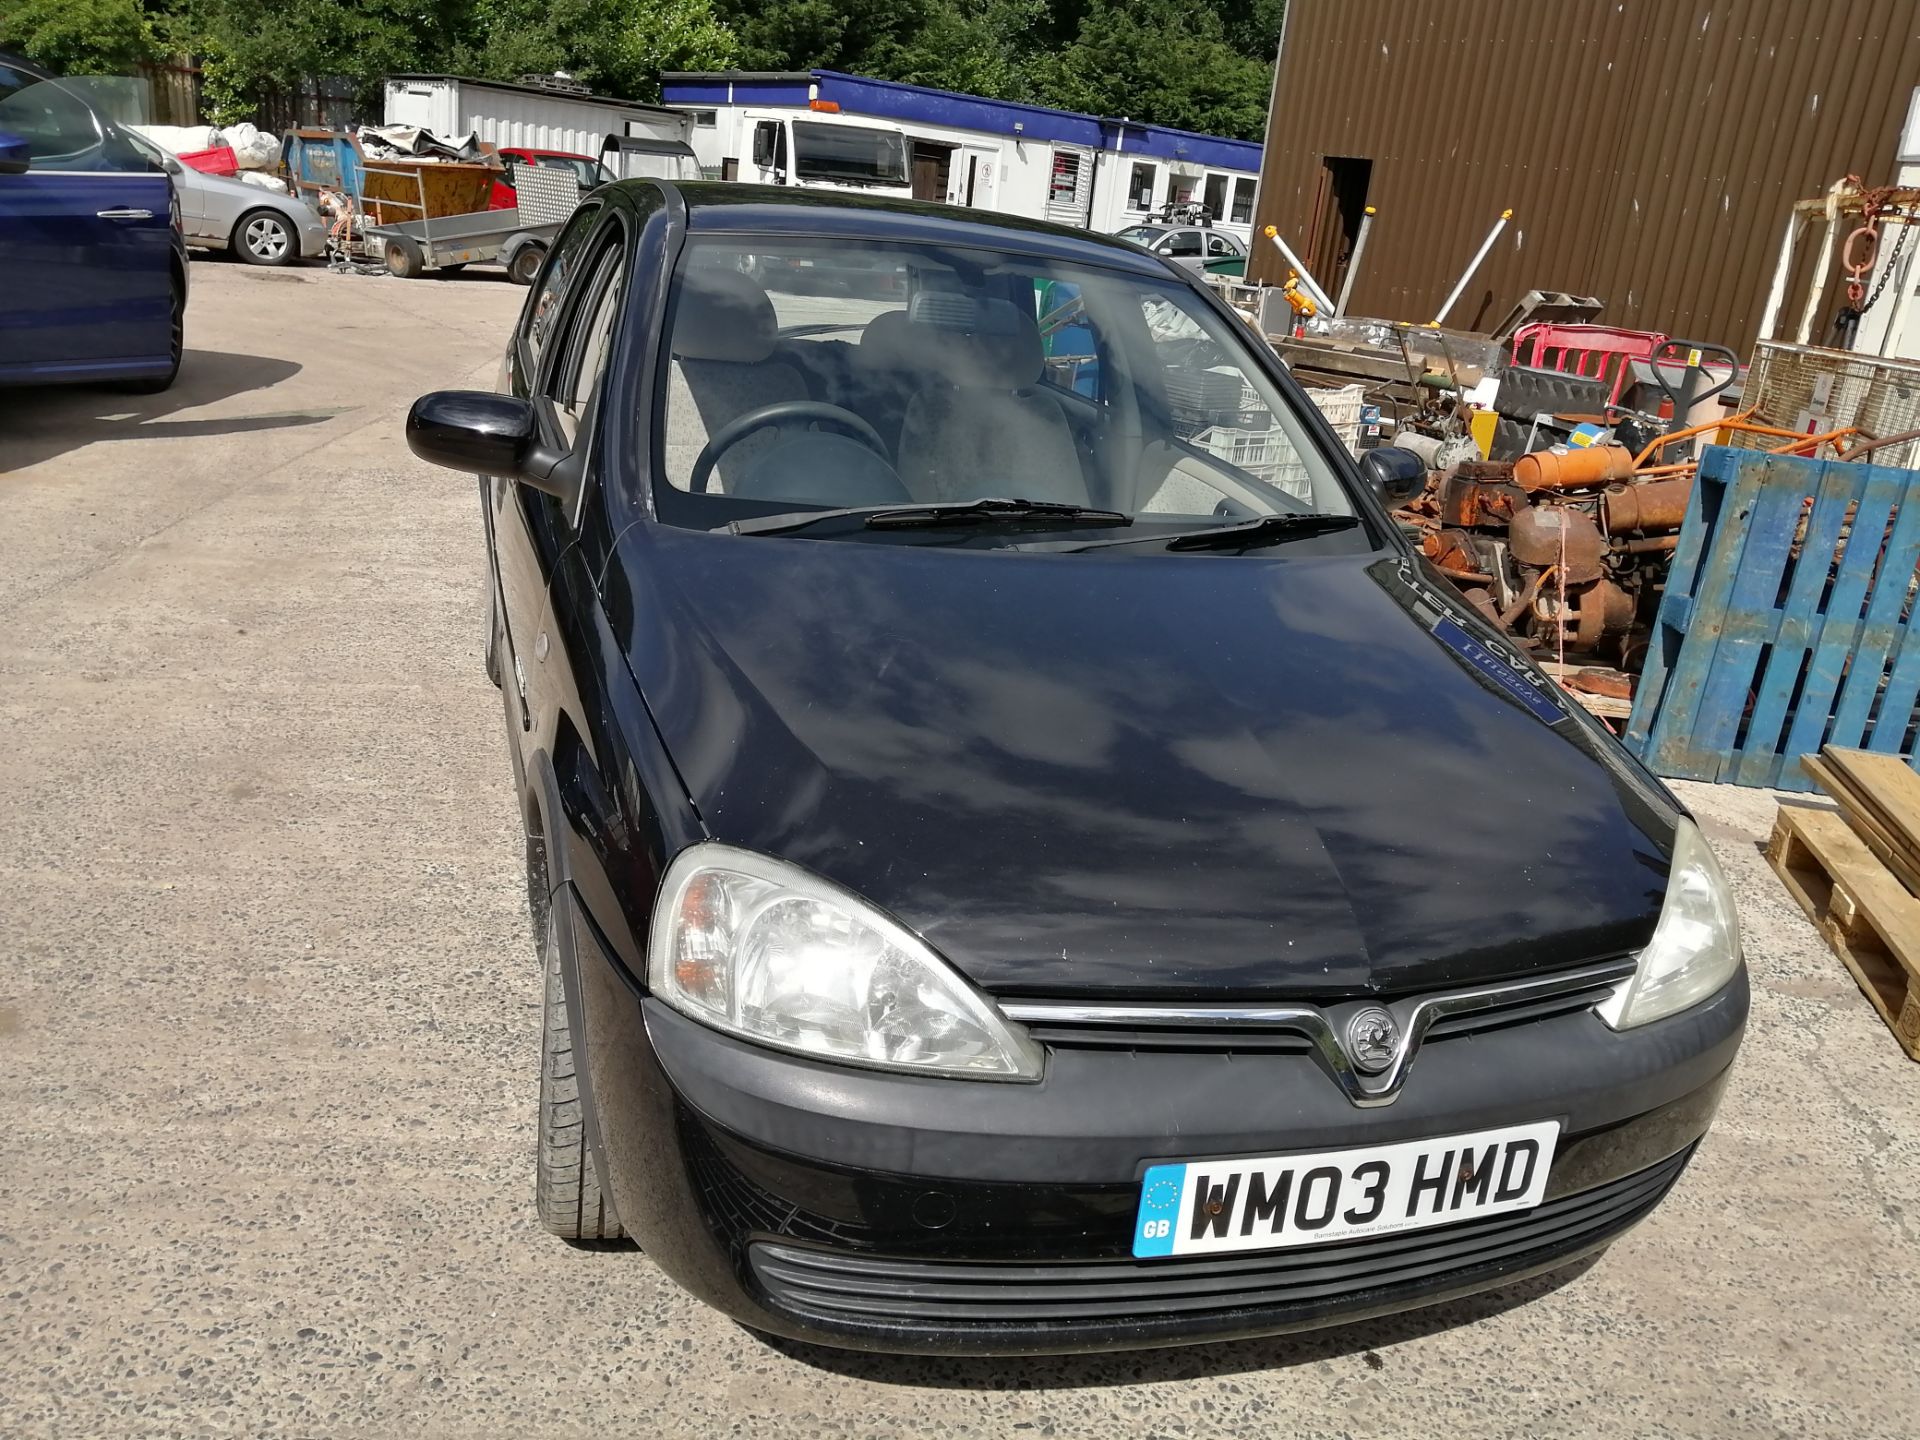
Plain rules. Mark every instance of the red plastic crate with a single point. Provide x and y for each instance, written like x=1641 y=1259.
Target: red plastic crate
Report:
x=220 y=160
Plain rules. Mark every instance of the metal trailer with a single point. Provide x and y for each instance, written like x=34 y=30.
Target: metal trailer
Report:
x=449 y=243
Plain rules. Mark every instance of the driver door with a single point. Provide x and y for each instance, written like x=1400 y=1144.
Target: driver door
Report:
x=528 y=529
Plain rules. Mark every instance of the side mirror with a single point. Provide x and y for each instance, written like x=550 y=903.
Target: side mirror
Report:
x=763 y=144
x=487 y=434
x=1396 y=474
x=15 y=153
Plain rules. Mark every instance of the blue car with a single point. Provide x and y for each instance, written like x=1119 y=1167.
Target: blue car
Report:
x=90 y=244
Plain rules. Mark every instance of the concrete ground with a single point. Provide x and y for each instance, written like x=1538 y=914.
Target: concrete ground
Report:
x=268 y=1012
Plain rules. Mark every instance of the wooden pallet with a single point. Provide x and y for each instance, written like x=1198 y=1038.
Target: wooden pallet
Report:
x=1785 y=621
x=1866 y=915
x=1880 y=796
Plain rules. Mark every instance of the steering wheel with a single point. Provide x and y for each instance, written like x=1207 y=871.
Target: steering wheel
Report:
x=786 y=412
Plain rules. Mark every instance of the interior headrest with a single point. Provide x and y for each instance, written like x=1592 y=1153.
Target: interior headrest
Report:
x=723 y=315
x=887 y=340
x=989 y=344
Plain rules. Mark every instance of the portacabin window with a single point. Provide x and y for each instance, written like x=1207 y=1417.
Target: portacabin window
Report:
x=1065 y=184
x=1140 y=188
x=1243 y=200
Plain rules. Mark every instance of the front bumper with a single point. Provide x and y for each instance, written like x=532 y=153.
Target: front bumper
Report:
x=904 y=1213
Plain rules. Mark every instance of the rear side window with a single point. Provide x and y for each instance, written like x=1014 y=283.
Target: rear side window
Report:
x=550 y=290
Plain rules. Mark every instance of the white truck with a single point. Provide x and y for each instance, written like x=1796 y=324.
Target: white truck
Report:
x=811 y=149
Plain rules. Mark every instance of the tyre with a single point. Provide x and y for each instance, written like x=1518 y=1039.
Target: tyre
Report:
x=404 y=260
x=566 y=1186
x=176 y=343
x=265 y=237
x=525 y=266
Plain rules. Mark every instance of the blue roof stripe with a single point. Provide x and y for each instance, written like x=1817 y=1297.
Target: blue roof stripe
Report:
x=896 y=100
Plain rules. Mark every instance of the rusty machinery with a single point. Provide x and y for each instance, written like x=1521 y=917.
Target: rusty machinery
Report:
x=1568 y=548
x=1558 y=547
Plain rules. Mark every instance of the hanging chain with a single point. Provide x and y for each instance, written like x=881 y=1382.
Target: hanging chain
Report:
x=1893 y=263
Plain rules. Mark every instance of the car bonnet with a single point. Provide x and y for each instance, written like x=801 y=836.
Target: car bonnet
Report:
x=1145 y=774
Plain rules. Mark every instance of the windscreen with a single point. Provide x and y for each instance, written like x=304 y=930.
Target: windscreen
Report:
x=905 y=373
x=849 y=154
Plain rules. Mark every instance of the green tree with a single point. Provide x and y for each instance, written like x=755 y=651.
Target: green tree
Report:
x=79 y=37
x=616 y=46
x=982 y=47
x=865 y=36
x=1160 y=61
x=251 y=48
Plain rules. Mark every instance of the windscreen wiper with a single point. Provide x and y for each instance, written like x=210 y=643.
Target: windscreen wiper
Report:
x=1267 y=530
x=938 y=514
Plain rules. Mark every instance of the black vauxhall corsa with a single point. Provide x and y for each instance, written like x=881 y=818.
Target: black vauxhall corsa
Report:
x=1027 y=857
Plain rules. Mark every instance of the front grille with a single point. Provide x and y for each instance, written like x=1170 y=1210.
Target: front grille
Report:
x=832 y=1285
x=1135 y=1025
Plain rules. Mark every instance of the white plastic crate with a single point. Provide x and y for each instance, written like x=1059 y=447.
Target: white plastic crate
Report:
x=1342 y=408
x=1264 y=454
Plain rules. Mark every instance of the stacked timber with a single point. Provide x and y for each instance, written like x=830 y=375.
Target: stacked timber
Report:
x=1856 y=872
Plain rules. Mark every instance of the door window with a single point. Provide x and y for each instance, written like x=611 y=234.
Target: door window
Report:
x=544 y=304
x=1182 y=242
x=575 y=375
x=60 y=128
x=1216 y=196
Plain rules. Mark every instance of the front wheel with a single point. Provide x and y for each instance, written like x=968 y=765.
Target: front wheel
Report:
x=264 y=237
x=566 y=1185
x=176 y=344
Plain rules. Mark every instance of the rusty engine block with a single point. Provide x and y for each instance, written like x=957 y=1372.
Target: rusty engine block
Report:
x=1567 y=550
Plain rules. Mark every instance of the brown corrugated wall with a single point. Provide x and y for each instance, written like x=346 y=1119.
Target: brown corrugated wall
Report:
x=1649 y=149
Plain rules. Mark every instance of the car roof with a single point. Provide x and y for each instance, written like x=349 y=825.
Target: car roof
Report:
x=726 y=207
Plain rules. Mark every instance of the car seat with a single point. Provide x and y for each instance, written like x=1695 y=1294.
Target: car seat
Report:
x=982 y=424
x=724 y=331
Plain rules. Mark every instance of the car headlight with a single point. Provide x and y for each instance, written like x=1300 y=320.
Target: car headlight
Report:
x=1696 y=946
x=762 y=949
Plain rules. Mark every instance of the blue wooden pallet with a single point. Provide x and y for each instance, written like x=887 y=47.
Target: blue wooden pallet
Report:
x=1761 y=655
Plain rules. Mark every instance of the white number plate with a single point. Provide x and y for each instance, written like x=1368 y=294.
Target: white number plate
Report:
x=1209 y=1206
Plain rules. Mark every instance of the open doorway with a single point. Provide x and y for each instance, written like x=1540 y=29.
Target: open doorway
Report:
x=1340 y=204
x=932 y=168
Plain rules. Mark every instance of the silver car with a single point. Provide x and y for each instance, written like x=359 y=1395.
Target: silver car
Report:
x=1188 y=245
x=258 y=225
